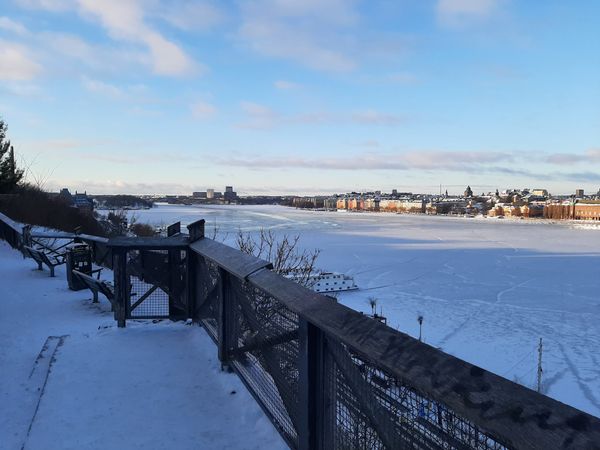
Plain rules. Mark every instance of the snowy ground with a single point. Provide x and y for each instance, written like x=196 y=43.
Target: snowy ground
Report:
x=151 y=386
x=488 y=289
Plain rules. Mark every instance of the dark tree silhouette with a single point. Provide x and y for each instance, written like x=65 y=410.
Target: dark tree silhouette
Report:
x=10 y=175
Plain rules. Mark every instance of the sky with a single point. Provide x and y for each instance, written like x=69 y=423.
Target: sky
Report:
x=303 y=96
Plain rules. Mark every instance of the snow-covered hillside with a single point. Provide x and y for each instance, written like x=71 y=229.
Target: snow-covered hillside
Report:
x=151 y=385
x=488 y=289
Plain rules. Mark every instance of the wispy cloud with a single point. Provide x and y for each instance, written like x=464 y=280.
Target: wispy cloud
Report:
x=286 y=85
x=11 y=26
x=190 y=16
x=591 y=156
x=457 y=13
x=373 y=117
x=203 y=110
x=111 y=186
x=403 y=78
x=319 y=34
x=259 y=116
x=17 y=62
x=47 y=5
x=592 y=177
x=102 y=88
x=425 y=160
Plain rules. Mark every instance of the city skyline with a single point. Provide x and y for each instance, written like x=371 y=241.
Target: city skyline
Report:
x=312 y=97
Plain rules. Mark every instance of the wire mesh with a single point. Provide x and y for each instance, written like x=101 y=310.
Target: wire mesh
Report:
x=208 y=294
x=417 y=422
x=147 y=272
x=265 y=334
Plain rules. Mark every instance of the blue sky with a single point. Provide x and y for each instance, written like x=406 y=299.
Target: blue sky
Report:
x=303 y=96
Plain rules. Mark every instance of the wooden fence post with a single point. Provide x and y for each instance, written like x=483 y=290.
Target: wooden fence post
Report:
x=311 y=387
x=224 y=315
x=190 y=279
x=196 y=230
x=121 y=283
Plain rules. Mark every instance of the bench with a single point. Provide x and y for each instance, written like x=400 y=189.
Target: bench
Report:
x=95 y=285
x=40 y=257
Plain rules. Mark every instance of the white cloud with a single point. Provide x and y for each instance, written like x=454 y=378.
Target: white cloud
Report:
x=124 y=21
x=17 y=62
x=203 y=110
x=11 y=26
x=461 y=12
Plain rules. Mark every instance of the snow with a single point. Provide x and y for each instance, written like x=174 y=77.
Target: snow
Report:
x=488 y=289
x=151 y=385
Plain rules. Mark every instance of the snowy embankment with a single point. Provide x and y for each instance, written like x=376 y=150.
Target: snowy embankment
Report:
x=70 y=379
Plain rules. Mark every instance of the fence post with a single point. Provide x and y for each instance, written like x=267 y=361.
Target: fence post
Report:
x=196 y=231
x=311 y=387
x=26 y=235
x=190 y=279
x=224 y=315
x=121 y=283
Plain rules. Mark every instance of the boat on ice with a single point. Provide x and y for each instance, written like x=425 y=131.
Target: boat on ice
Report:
x=325 y=282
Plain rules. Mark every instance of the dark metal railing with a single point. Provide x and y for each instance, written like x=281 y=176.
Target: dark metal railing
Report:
x=327 y=376
x=11 y=231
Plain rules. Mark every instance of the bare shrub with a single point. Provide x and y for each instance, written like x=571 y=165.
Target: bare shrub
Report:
x=285 y=255
x=142 y=229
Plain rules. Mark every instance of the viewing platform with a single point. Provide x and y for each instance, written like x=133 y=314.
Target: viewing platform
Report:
x=71 y=379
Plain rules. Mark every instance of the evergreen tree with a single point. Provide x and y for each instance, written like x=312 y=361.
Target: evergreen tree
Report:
x=10 y=175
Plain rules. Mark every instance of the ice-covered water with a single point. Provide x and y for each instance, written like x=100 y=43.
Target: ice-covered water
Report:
x=488 y=289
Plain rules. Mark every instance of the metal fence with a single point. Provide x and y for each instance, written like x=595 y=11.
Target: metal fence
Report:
x=327 y=376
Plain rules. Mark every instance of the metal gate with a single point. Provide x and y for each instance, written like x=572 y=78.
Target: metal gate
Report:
x=150 y=278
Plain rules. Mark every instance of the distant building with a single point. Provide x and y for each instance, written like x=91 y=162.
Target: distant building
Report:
x=330 y=203
x=210 y=193
x=579 y=193
x=356 y=203
x=201 y=194
x=540 y=192
x=230 y=195
x=342 y=203
x=79 y=200
x=65 y=195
